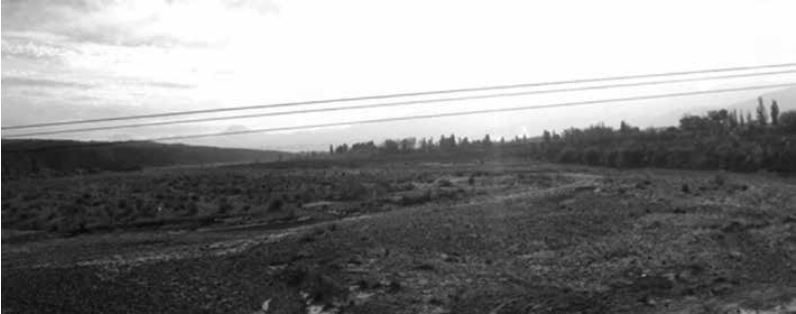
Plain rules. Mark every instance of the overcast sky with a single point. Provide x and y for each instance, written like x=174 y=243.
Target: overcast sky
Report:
x=76 y=59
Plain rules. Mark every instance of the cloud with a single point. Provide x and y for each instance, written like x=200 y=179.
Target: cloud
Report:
x=168 y=85
x=33 y=49
x=260 y=6
x=37 y=82
x=163 y=23
x=12 y=81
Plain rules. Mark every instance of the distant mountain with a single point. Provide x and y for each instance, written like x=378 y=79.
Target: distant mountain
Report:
x=23 y=158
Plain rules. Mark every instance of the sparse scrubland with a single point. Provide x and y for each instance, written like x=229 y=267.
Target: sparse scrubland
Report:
x=407 y=226
x=192 y=198
x=388 y=236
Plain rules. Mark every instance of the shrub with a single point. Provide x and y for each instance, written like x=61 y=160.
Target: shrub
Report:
x=350 y=190
x=787 y=121
x=591 y=156
x=191 y=209
x=720 y=179
x=444 y=182
x=631 y=158
x=275 y=204
x=224 y=206
x=568 y=155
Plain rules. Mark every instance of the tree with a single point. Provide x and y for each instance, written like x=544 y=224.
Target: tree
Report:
x=366 y=147
x=694 y=123
x=626 y=129
x=425 y=145
x=787 y=121
x=774 y=113
x=762 y=117
x=546 y=136
x=447 y=143
x=390 y=146
x=719 y=119
x=408 y=144
x=430 y=144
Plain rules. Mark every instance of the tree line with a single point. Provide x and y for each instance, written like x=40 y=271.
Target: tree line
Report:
x=760 y=139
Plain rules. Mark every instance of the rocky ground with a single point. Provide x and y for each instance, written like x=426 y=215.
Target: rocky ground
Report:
x=524 y=239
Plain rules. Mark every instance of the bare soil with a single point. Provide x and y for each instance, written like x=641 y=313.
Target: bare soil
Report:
x=495 y=237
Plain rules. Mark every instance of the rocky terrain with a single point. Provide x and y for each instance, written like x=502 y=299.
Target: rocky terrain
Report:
x=466 y=237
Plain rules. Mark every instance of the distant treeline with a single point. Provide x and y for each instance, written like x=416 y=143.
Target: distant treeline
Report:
x=46 y=158
x=720 y=139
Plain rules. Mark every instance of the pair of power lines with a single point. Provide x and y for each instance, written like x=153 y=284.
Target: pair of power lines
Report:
x=497 y=91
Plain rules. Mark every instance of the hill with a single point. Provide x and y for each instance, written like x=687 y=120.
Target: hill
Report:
x=25 y=158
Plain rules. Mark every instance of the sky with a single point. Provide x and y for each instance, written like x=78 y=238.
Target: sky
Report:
x=84 y=59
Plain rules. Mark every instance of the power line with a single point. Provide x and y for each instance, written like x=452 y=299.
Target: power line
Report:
x=463 y=113
x=415 y=117
x=392 y=104
x=397 y=95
